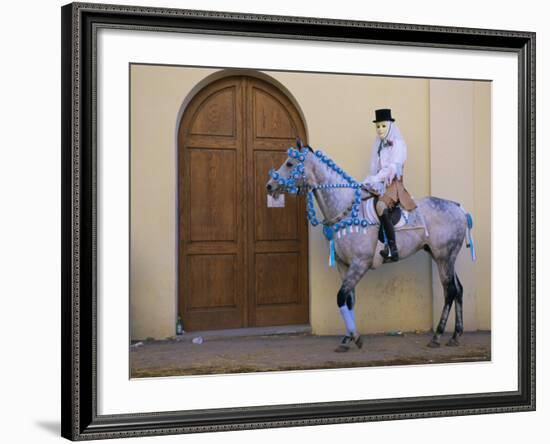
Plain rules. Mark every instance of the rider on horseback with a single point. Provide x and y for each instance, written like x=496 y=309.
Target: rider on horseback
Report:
x=389 y=153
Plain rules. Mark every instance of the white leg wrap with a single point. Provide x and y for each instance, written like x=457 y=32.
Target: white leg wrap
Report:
x=349 y=319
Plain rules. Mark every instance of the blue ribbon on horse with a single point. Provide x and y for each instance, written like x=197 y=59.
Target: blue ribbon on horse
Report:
x=470 y=244
x=329 y=234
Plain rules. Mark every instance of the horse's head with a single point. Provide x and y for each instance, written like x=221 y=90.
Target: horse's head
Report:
x=291 y=175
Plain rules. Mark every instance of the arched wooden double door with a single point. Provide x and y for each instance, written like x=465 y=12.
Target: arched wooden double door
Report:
x=241 y=264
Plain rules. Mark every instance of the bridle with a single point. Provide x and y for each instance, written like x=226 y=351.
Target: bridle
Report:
x=296 y=183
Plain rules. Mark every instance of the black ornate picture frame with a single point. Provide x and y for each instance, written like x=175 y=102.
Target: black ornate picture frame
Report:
x=80 y=419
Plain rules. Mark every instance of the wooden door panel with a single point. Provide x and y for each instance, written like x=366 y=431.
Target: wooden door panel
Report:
x=199 y=141
x=274 y=144
x=273 y=224
x=217 y=114
x=277 y=278
x=271 y=118
x=211 y=281
x=213 y=195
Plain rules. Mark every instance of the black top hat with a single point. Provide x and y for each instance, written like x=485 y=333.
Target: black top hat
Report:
x=383 y=115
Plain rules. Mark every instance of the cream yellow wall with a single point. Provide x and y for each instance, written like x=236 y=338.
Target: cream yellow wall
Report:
x=460 y=118
x=338 y=111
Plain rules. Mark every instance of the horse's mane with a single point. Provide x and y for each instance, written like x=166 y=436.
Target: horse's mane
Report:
x=327 y=167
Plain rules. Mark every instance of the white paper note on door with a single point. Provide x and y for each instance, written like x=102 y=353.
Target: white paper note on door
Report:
x=276 y=203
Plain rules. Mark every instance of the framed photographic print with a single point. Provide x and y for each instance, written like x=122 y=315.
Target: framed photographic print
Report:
x=258 y=208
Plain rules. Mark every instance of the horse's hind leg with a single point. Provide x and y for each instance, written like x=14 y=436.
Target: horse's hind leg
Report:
x=459 y=324
x=450 y=290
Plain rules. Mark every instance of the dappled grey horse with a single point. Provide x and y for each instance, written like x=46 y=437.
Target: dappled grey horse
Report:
x=354 y=240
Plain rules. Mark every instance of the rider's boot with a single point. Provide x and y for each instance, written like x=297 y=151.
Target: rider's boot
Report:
x=392 y=255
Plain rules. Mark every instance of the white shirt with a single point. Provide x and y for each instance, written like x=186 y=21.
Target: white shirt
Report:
x=389 y=164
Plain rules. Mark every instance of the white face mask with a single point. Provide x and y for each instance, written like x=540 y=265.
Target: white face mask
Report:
x=382 y=129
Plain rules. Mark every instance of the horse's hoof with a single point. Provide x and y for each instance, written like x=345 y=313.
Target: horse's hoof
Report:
x=433 y=344
x=453 y=343
x=342 y=348
x=345 y=344
x=358 y=341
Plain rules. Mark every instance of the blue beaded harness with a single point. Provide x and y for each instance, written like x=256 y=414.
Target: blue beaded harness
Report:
x=296 y=182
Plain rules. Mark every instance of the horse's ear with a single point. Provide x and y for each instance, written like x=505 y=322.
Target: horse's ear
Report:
x=298 y=143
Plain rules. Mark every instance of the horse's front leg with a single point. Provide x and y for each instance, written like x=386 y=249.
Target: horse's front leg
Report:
x=345 y=300
x=347 y=310
x=350 y=302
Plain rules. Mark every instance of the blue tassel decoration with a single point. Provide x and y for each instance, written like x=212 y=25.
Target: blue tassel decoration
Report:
x=470 y=222
x=331 y=259
x=472 y=248
x=329 y=234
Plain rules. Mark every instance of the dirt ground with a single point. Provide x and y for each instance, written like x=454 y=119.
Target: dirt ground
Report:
x=180 y=356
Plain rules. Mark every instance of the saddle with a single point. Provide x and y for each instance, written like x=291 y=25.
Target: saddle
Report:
x=399 y=217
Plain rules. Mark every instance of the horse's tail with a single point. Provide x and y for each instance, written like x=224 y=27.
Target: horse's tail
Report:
x=470 y=242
